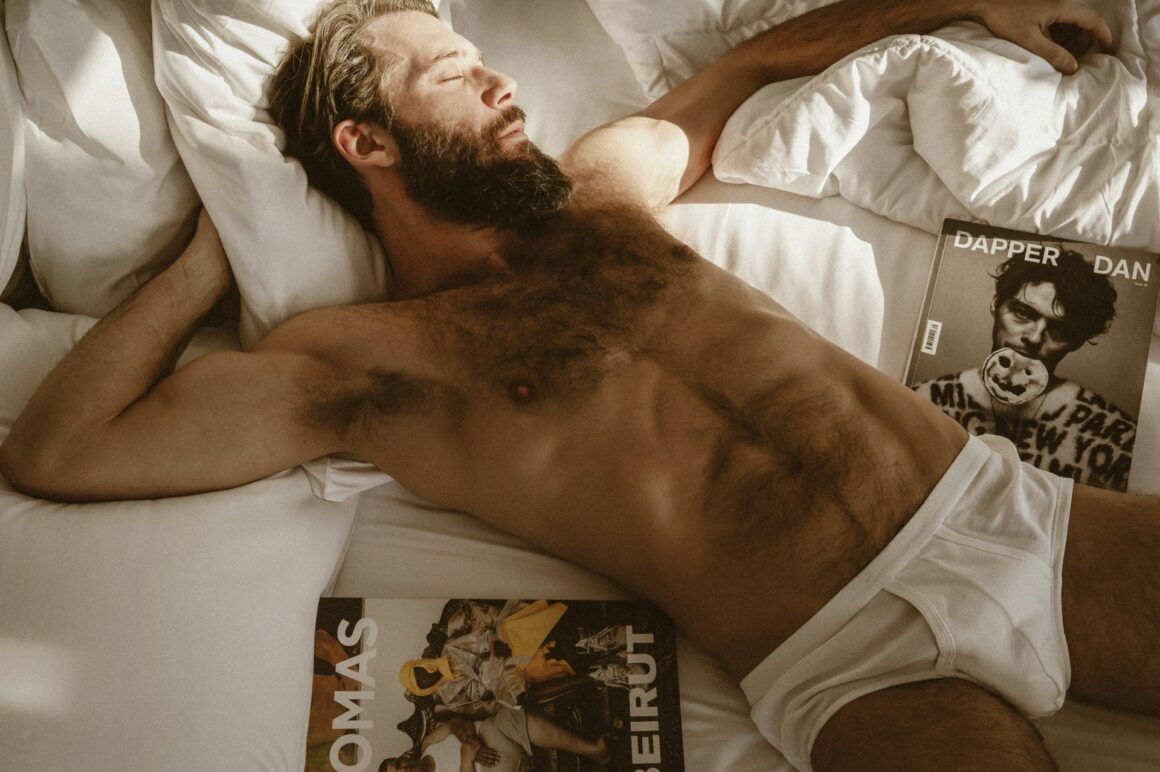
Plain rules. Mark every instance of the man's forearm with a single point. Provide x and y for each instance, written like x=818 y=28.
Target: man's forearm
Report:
x=810 y=43
x=121 y=358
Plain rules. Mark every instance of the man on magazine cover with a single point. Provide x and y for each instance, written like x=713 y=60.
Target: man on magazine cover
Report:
x=1042 y=312
x=560 y=366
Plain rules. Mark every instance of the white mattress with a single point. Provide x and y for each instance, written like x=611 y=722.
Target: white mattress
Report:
x=209 y=597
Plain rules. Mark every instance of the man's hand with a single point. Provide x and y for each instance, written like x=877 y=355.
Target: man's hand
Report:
x=1057 y=30
x=473 y=750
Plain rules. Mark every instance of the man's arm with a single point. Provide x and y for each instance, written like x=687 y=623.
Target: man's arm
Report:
x=110 y=423
x=472 y=749
x=655 y=155
x=440 y=733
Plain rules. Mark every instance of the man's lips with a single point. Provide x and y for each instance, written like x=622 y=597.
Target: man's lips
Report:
x=1020 y=350
x=516 y=129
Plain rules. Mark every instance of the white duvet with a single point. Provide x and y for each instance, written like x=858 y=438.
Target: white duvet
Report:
x=918 y=128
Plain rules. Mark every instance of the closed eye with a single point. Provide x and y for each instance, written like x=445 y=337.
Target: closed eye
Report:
x=448 y=66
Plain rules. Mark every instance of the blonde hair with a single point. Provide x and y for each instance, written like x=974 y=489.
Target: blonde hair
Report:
x=331 y=76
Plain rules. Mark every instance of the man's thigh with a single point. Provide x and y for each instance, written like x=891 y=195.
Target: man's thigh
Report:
x=946 y=724
x=1111 y=598
x=506 y=732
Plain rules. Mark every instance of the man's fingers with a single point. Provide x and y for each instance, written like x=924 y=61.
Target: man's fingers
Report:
x=1056 y=55
x=1071 y=28
x=1085 y=17
x=1034 y=25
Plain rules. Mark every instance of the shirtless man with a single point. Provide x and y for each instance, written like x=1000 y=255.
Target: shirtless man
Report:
x=579 y=370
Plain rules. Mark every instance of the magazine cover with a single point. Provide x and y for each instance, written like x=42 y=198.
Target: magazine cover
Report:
x=500 y=685
x=1042 y=341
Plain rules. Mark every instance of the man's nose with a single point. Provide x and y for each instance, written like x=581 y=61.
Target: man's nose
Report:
x=498 y=89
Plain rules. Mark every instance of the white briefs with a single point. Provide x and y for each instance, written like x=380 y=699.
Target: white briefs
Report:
x=969 y=588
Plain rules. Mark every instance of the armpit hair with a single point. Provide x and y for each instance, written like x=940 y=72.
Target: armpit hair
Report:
x=378 y=394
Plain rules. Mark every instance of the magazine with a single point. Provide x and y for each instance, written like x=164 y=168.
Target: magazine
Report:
x=1041 y=340
x=542 y=685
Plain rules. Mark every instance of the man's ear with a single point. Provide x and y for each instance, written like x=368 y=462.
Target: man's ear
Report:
x=365 y=144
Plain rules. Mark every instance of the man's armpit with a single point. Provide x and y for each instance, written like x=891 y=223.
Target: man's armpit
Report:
x=356 y=404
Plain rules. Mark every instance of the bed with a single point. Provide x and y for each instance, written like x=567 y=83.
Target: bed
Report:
x=176 y=634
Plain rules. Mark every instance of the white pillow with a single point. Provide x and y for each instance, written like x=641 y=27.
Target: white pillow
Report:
x=12 y=201
x=157 y=635
x=109 y=203
x=291 y=247
x=666 y=43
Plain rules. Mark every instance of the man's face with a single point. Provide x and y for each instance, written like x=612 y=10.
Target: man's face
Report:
x=475 y=179
x=1030 y=323
x=436 y=76
x=463 y=151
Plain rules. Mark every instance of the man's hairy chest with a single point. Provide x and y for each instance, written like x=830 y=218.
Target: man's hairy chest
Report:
x=585 y=292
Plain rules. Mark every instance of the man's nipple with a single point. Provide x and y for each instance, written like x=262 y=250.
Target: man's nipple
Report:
x=521 y=392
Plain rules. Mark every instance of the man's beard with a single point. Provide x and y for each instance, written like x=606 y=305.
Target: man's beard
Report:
x=471 y=179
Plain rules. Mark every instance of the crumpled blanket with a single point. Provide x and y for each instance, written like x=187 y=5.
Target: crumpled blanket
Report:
x=920 y=128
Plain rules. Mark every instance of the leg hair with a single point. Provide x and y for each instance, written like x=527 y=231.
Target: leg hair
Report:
x=945 y=724
x=1111 y=599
